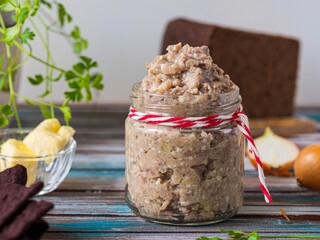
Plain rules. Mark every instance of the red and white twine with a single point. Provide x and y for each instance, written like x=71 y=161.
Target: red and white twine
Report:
x=206 y=122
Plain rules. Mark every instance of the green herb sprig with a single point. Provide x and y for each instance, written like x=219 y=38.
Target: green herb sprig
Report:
x=81 y=78
x=239 y=235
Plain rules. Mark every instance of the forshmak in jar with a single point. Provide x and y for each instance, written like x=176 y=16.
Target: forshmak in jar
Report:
x=184 y=147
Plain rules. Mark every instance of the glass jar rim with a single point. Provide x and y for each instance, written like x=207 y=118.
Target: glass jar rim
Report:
x=224 y=100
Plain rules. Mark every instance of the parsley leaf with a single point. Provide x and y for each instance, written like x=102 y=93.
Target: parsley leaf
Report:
x=46 y=3
x=97 y=81
x=206 y=238
x=2 y=81
x=253 y=236
x=80 y=43
x=80 y=80
x=239 y=235
x=3 y=121
x=88 y=61
x=5 y=112
x=70 y=75
x=35 y=7
x=21 y=15
x=45 y=93
x=27 y=35
x=79 y=68
x=45 y=111
x=38 y=79
x=66 y=113
x=233 y=233
x=9 y=34
x=74 y=96
x=7 y=5
x=63 y=15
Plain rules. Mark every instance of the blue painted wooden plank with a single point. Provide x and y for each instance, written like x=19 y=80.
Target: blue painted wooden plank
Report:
x=100 y=145
x=135 y=224
x=95 y=174
x=314 y=115
x=148 y=236
x=113 y=204
x=250 y=198
x=99 y=161
x=95 y=180
x=120 y=209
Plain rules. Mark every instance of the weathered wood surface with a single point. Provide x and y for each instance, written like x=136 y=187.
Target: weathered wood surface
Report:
x=90 y=203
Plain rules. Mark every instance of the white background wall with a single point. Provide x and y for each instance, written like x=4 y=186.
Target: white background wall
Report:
x=125 y=34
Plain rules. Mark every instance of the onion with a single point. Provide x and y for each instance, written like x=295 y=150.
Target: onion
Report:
x=307 y=167
x=277 y=154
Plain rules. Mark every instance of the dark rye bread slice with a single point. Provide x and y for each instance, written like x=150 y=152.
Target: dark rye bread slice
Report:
x=32 y=213
x=20 y=218
x=13 y=198
x=36 y=231
x=263 y=66
x=16 y=174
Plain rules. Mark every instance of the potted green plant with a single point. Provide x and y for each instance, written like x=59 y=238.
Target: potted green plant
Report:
x=80 y=78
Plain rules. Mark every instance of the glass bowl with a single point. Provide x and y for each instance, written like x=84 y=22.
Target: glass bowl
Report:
x=51 y=169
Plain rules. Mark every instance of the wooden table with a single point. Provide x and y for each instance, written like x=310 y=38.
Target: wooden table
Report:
x=90 y=203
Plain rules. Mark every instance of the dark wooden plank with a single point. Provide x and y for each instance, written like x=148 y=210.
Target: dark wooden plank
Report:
x=86 y=115
x=82 y=112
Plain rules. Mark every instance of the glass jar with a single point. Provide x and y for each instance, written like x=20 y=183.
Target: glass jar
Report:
x=184 y=176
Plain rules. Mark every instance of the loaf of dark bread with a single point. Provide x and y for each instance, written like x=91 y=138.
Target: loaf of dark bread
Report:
x=263 y=66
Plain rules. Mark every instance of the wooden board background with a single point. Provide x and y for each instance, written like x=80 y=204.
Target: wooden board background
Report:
x=90 y=203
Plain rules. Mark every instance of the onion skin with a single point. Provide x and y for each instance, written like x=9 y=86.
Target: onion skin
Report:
x=266 y=143
x=282 y=171
x=307 y=167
